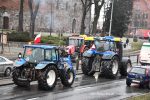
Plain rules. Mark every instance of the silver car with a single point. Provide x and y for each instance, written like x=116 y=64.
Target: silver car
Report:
x=6 y=66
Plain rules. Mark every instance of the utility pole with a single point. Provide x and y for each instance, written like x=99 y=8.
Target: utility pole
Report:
x=110 y=27
x=2 y=41
x=90 y=21
x=51 y=19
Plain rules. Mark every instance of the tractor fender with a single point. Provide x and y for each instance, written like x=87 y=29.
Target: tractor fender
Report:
x=19 y=62
x=109 y=55
x=89 y=53
x=66 y=63
x=43 y=64
x=125 y=60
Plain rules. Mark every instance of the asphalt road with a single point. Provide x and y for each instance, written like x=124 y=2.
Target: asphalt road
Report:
x=84 y=88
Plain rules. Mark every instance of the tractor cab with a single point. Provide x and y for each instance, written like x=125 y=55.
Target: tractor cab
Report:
x=79 y=43
x=108 y=43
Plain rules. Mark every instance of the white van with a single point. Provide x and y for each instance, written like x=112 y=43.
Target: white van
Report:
x=145 y=54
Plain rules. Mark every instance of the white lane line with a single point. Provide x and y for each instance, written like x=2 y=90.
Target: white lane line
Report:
x=33 y=99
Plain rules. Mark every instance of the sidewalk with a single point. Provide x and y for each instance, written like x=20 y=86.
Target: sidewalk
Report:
x=7 y=81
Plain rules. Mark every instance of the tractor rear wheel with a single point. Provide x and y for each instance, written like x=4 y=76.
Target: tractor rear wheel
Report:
x=110 y=68
x=87 y=66
x=125 y=67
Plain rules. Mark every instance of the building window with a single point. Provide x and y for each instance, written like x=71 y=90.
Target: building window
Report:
x=73 y=25
x=57 y=5
x=66 y=5
x=146 y=16
x=145 y=24
x=138 y=16
x=75 y=8
x=136 y=24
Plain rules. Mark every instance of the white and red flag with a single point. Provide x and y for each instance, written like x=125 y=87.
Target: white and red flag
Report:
x=37 y=39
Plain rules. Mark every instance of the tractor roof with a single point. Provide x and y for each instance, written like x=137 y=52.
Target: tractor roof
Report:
x=41 y=46
x=109 y=38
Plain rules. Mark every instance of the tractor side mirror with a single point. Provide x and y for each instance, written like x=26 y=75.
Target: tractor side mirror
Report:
x=19 y=55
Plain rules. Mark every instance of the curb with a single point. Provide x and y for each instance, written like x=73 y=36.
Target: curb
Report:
x=6 y=84
x=138 y=95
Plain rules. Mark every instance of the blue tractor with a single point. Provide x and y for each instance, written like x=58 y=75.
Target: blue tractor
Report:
x=43 y=63
x=105 y=56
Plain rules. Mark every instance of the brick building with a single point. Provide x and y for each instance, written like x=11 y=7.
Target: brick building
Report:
x=141 y=14
x=54 y=15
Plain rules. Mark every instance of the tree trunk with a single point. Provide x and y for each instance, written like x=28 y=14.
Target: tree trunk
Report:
x=20 y=26
x=33 y=14
x=32 y=26
x=97 y=13
x=82 y=30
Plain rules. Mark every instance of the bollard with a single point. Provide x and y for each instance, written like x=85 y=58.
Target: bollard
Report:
x=137 y=59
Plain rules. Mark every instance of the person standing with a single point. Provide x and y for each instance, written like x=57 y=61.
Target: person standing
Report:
x=127 y=41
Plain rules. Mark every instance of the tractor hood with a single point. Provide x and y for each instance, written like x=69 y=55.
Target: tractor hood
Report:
x=43 y=64
x=19 y=62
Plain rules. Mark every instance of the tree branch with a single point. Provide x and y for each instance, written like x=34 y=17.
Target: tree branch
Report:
x=30 y=2
x=37 y=8
x=82 y=2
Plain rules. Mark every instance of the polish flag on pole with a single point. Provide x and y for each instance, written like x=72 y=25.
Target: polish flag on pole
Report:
x=37 y=39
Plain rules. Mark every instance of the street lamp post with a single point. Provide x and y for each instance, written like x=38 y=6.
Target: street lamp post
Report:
x=111 y=17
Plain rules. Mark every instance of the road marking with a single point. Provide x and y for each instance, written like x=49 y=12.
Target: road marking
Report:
x=33 y=99
x=104 y=83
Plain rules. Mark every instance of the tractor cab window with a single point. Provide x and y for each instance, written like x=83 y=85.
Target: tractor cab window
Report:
x=101 y=45
x=51 y=55
x=112 y=46
x=34 y=54
x=76 y=42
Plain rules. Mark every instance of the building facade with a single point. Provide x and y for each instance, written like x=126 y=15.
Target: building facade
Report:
x=53 y=15
x=141 y=14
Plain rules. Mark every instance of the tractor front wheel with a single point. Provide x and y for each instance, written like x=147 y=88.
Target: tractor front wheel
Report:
x=48 y=78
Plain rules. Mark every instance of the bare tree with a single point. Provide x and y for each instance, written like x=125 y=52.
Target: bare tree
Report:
x=98 y=5
x=20 y=26
x=33 y=13
x=86 y=5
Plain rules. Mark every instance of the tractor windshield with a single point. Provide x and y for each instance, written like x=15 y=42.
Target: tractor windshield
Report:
x=34 y=54
x=101 y=45
x=75 y=42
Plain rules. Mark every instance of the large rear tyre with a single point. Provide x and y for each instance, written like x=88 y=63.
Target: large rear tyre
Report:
x=15 y=77
x=68 y=78
x=48 y=78
x=87 y=66
x=110 y=68
x=125 y=68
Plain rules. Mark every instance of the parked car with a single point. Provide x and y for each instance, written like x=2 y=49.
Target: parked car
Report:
x=144 y=54
x=139 y=75
x=6 y=66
